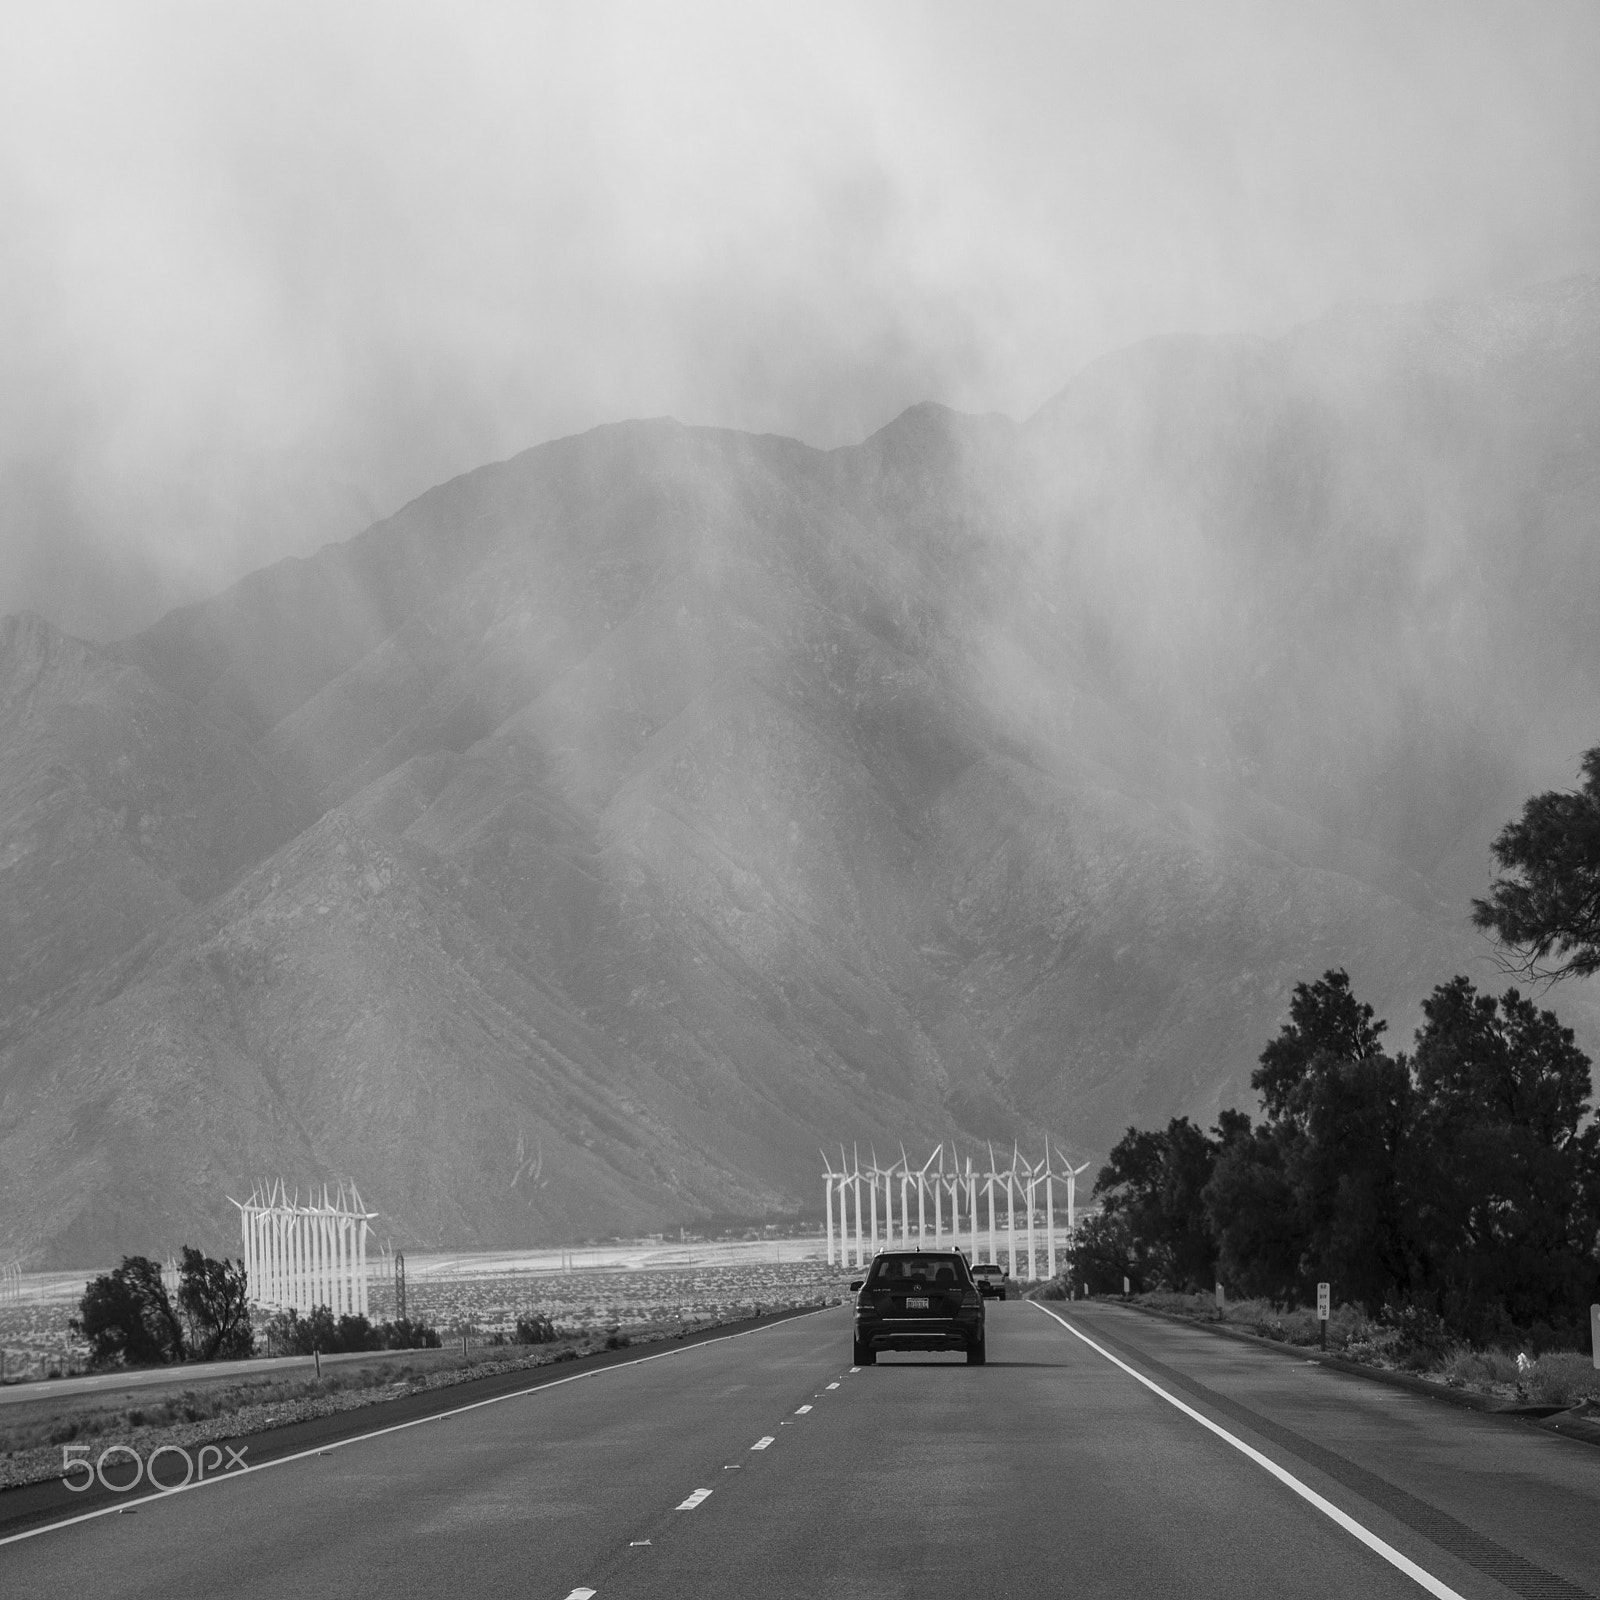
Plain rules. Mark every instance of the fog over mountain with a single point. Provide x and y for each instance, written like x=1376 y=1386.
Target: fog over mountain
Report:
x=577 y=849
x=273 y=270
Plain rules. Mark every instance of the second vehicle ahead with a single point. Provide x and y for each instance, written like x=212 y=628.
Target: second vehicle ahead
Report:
x=991 y=1279
x=919 y=1300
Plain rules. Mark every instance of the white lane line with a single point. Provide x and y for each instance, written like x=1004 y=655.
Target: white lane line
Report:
x=396 y=1427
x=763 y=1442
x=697 y=1498
x=833 y=1386
x=1418 y=1575
x=582 y=1594
x=802 y=1411
x=855 y=1369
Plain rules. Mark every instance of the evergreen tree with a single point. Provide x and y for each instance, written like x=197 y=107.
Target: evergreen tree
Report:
x=1510 y=1203
x=1155 y=1182
x=1551 y=906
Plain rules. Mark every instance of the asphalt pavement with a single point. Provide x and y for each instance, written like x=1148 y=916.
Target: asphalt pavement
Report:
x=1098 y=1453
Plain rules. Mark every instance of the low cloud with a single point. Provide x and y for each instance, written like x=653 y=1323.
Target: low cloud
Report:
x=271 y=271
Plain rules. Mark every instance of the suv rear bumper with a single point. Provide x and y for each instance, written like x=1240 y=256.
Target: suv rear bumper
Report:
x=904 y=1334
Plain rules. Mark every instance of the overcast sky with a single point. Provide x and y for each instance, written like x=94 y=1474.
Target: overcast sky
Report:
x=266 y=272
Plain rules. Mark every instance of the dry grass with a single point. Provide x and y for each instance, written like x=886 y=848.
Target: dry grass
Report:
x=1557 y=1378
x=1347 y=1325
x=1562 y=1378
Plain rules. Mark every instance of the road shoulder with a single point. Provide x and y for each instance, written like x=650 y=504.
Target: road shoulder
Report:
x=1577 y=1422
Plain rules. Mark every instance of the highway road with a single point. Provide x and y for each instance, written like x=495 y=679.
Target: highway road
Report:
x=1099 y=1453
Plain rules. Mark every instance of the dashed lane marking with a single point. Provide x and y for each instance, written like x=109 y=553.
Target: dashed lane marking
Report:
x=833 y=1386
x=1418 y=1575
x=802 y=1411
x=763 y=1442
x=697 y=1498
x=581 y=1594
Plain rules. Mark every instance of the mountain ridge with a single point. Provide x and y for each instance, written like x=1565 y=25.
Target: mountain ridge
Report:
x=681 y=800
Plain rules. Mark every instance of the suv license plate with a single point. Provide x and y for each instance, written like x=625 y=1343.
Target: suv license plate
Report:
x=917 y=1303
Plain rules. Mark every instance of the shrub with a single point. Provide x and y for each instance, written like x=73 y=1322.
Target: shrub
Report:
x=407 y=1335
x=1474 y=1369
x=1421 y=1338
x=291 y=1334
x=1561 y=1378
x=126 y=1317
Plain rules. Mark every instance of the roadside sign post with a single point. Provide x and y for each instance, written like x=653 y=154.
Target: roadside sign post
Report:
x=1221 y=1301
x=1594 y=1333
x=1126 y=1291
x=1324 y=1305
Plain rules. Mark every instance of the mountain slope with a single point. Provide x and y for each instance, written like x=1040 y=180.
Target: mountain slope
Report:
x=120 y=807
x=686 y=799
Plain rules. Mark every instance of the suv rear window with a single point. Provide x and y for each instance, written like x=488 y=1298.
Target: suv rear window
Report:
x=934 y=1271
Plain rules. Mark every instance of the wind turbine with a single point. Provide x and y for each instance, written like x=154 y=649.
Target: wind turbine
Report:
x=1030 y=1186
x=828 y=1178
x=1072 y=1175
x=853 y=1171
x=879 y=1172
x=938 y=1196
x=1013 y=1178
x=989 y=1184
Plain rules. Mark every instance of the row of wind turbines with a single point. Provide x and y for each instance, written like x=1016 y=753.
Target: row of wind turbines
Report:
x=303 y=1256
x=855 y=1241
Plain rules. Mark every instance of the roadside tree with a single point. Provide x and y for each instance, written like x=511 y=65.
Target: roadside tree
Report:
x=212 y=1297
x=1155 y=1182
x=126 y=1317
x=1550 y=905
x=1509 y=1198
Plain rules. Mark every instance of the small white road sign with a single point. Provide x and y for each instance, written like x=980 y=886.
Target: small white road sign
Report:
x=1324 y=1302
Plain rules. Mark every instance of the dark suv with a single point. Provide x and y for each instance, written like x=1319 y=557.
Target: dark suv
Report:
x=918 y=1300
x=991 y=1279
